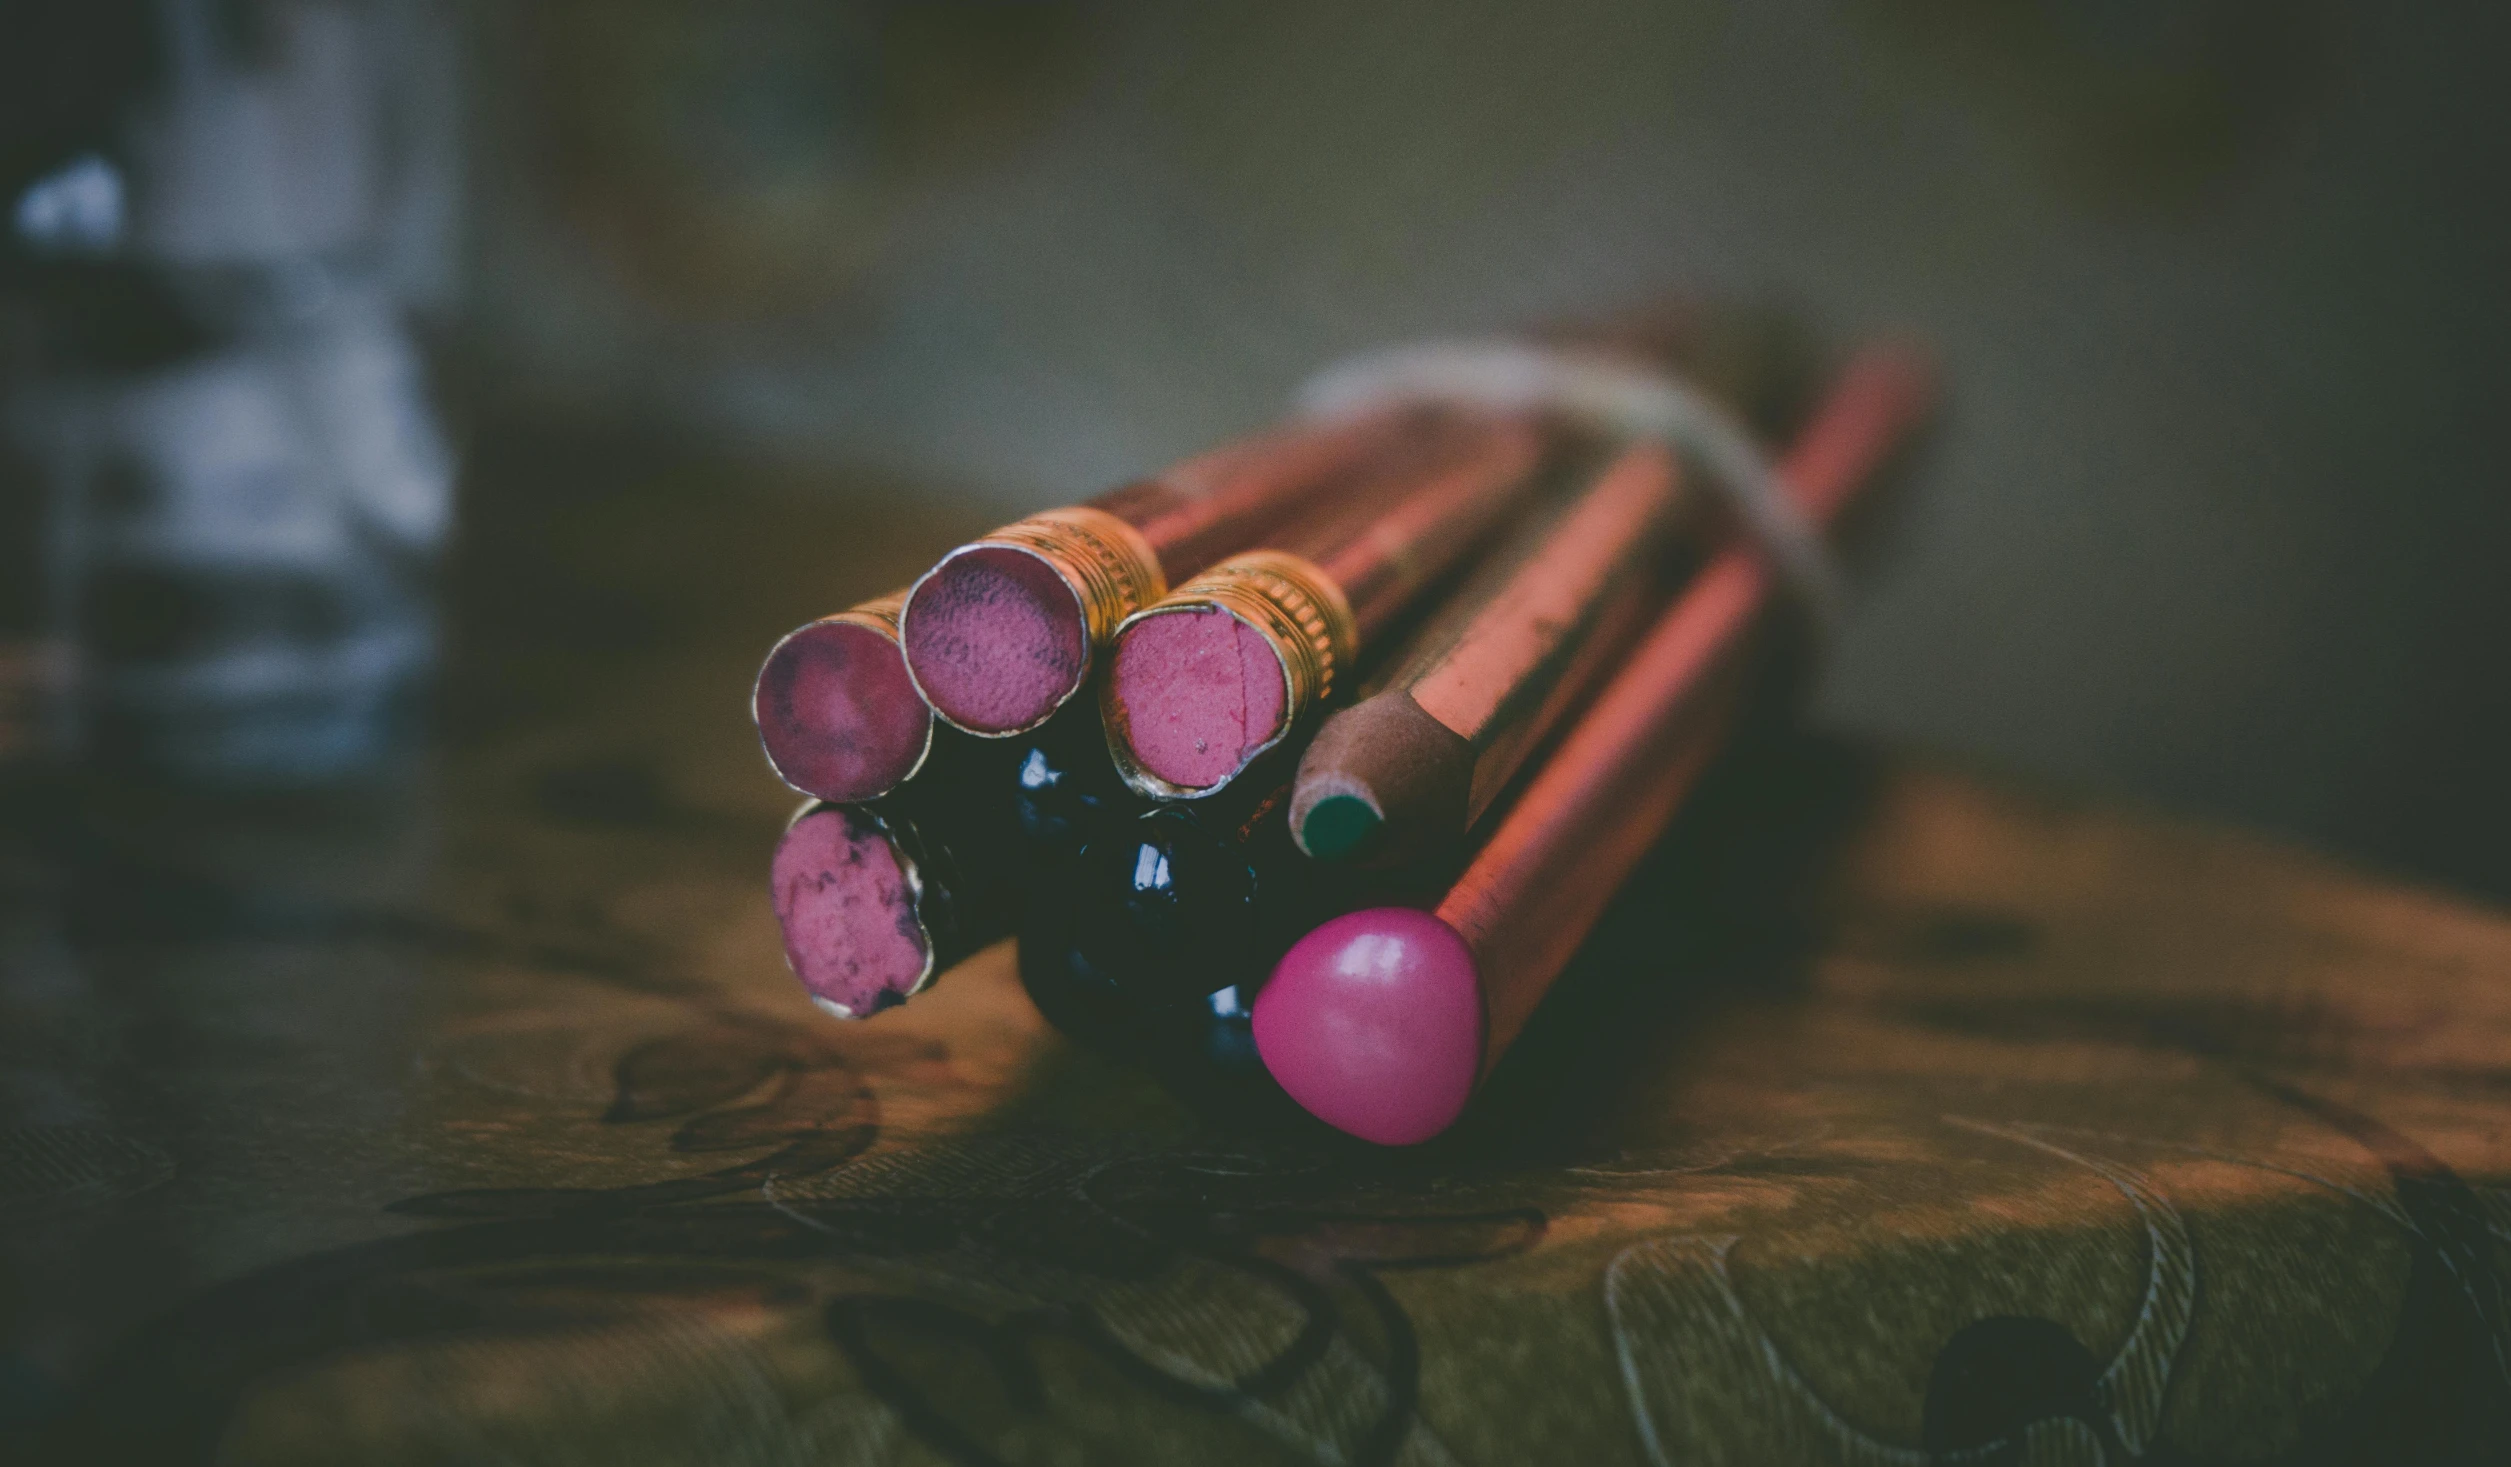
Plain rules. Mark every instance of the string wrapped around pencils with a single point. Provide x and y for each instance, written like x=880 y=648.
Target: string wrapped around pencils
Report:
x=1529 y=510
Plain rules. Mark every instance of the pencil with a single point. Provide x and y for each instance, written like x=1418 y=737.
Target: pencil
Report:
x=1382 y=1022
x=1003 y=630
x=1208 y=679
x=1409 y=769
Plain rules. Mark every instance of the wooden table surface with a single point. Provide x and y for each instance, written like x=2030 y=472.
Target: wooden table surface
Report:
x=1897 y=1115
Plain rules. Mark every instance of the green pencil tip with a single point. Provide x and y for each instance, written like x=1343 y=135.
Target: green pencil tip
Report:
x=1339 y=826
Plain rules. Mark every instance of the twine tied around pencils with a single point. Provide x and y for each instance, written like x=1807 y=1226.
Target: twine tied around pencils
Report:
x=1615 y=397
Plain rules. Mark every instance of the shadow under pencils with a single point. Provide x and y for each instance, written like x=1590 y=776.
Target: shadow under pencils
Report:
x=1722 y=911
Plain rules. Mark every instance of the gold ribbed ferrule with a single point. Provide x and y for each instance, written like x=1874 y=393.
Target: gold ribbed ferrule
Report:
x=1107 y=564
x=880 y=614
x=1291 y=602
x=1111 y=568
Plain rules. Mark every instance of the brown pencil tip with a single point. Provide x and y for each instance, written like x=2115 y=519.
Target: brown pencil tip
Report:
x=1382 y=783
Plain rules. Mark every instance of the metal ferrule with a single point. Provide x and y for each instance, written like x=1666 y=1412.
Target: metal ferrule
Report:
x=881 y=614
x=1289 y=601
x=1107 y=564
x=1111 y=568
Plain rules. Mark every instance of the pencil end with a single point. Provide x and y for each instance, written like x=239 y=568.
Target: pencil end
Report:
x=1340 y=827
x=1381 y=784
x=1373 y=1023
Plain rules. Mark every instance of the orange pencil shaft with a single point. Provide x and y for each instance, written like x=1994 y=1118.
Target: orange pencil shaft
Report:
x=1538 y=885
x=1208 y=506
x=1384 y=566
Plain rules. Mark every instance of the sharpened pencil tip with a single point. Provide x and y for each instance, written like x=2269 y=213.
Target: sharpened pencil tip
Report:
x=1339 y=827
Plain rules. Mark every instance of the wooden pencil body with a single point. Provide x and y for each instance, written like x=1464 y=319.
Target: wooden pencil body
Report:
x=1241 y=494
x=1536 y=888
x=1210 y=677
x=1382 y=564
x=1542 y=629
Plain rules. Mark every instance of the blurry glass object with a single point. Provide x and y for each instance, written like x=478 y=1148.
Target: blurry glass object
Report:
x=75 y=211
x=215 y=401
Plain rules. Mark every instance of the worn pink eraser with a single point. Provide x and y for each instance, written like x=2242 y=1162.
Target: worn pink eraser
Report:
x=837 y=714
x=996 y=639
x=1201 y=692
x=1373 y=1022
x=848 y=913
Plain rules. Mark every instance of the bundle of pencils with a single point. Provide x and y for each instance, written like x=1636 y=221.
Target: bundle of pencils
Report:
x=1302 y=769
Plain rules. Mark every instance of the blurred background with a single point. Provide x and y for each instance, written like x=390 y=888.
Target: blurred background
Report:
x=2217 y=520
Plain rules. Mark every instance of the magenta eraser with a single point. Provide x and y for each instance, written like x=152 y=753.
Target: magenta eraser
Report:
x=1373 y=1022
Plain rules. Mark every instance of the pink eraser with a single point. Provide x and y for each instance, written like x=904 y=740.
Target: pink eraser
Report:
x=996 y=639
x=848 y=913
x=1202 y=693
x=836 y=713
x=1373 y=1022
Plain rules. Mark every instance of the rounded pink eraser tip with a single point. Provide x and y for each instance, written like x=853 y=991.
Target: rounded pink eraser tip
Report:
x=1373 y=1022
